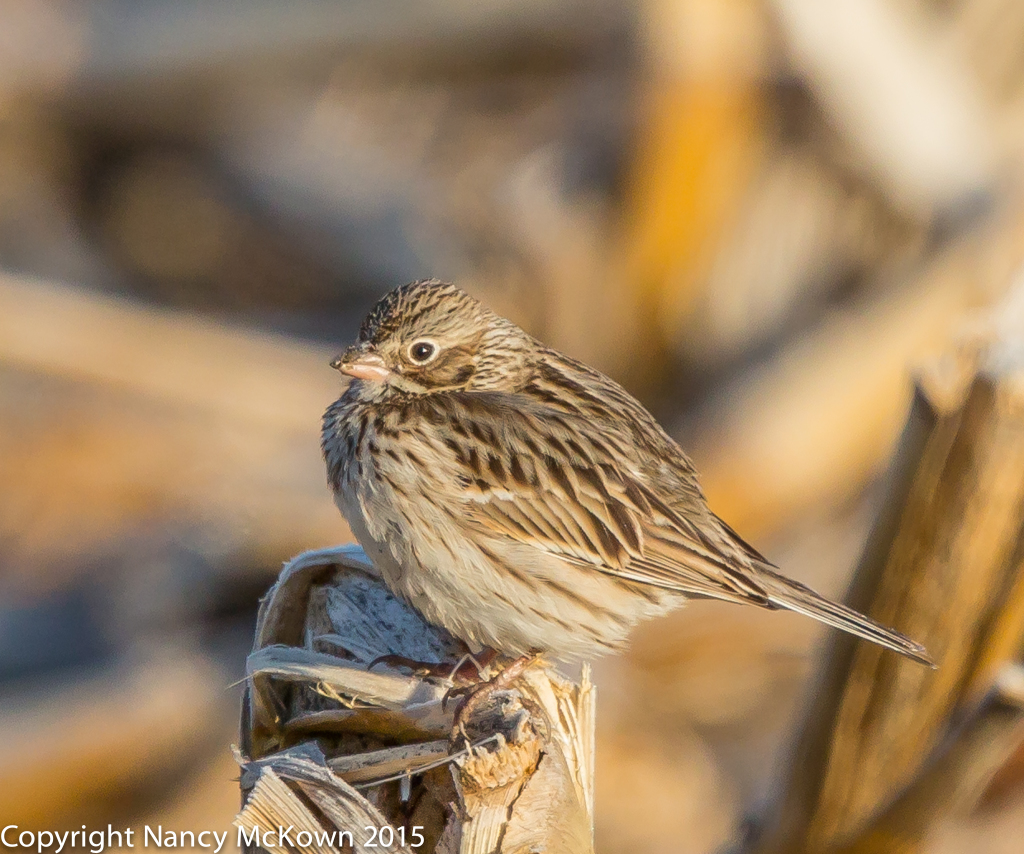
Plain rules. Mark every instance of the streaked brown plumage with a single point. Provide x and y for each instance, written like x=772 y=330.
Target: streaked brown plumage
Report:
x=523 y=500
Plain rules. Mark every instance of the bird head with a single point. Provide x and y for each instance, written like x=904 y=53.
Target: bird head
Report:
x=428 y=337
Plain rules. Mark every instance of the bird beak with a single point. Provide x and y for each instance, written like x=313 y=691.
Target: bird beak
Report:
x=363 y=365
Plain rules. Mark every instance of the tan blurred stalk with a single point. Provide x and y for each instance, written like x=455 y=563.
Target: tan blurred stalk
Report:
x=71 y=750
x=144 y=414
x=901 y=98
x=956 y=774
x=701 y=138
x=809 y=428
x=944 y=564
x=175 y=357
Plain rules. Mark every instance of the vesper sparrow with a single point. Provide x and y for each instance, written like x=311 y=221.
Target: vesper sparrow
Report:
x=524 y=501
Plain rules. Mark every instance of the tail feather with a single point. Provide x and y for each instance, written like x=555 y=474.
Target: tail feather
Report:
x=794 y=596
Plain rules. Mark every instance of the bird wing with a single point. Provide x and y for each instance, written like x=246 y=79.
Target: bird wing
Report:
x=558 y=482
x=579 y=488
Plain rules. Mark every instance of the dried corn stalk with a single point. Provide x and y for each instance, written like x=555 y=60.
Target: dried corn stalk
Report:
x=330 y=746
x=946 y=565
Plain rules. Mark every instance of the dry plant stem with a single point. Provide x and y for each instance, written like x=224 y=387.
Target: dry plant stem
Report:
x=956 y=775
x=946 y=565
x=135 y=720
x=822 y=454
x=328 y=744
x=703 y=138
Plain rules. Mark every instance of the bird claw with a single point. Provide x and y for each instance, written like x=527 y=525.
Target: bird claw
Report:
x=459 y=692
x=468 y=669
x=473 y=696
x=432 y=668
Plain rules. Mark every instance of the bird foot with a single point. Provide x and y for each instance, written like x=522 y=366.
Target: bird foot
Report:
x=473 y=696
x=468 y=669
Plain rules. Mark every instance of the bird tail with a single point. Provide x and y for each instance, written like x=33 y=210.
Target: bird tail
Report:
x=793 y=596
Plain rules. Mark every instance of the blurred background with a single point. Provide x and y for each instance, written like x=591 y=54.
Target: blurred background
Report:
x=761 y=216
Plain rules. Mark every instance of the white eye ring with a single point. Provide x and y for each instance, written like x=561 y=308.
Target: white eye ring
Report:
x=422 y=344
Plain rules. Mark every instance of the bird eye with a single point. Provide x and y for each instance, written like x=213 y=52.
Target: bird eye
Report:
x=422 y=351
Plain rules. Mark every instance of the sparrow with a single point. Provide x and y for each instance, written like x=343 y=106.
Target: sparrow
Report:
x=524 y=501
